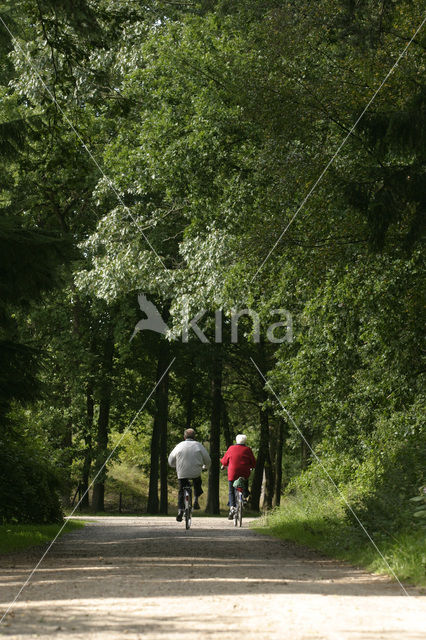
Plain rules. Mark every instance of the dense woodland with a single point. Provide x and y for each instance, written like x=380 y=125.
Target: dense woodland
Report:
x=163 y=148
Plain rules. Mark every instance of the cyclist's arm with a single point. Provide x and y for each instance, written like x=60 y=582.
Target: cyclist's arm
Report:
x=225 y=460
x=172 y=458
x=252 y=459
x=206 y=458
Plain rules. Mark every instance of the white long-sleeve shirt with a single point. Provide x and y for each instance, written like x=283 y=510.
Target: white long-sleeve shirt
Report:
x=188 y=457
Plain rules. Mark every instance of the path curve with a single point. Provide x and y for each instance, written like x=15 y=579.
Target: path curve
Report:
x=148 y=579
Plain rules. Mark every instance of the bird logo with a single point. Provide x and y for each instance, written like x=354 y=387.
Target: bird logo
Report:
x=153 y=320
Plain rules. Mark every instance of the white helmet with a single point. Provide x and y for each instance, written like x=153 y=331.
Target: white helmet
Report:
x=241 y=439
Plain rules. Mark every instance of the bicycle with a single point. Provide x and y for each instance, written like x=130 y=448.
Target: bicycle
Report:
x=187 y=502
x=238 y=512
x=239 y=486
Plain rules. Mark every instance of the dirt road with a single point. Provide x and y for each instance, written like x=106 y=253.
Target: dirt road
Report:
x=147 y=578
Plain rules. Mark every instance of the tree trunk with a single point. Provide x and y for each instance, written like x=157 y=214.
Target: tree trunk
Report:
x=153 y=503
x=88 y=445
x=279 y=462
x=159 y=435
x=256 y=486
x=66 y=449
x=213 y=506
x=262 y=499
x=226 y=427
x=98 y=498
x=162 y=402
x=189 y=402
x=269 y=478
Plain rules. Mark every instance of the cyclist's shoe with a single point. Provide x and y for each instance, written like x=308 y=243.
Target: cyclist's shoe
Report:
x=196 y=505
x=231 y=513
x=179 y=516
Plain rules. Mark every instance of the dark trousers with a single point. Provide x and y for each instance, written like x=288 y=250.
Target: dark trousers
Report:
x=232 y=500
x=183 y=482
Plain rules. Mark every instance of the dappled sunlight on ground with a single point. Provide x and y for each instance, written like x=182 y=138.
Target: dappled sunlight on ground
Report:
x=149 y=578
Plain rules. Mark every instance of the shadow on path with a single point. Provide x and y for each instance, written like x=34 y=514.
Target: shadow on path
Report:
x=135 y=574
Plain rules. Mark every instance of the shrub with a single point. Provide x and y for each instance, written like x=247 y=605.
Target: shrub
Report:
x=28 y=484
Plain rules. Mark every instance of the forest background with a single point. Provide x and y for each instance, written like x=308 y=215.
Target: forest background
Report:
x=178 y=149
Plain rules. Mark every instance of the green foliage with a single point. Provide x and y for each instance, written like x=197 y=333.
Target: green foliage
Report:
x=28 y=483
x=27 y=266
x=393 y=465
x=212 y=121
x=355 y=385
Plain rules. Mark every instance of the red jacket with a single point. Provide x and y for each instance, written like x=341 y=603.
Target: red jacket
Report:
x=239 y=459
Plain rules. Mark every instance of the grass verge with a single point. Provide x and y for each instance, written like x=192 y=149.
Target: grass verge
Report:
x=322 y=526
x=18 y=537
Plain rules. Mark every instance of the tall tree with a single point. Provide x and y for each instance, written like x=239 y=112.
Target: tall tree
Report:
x=105 y=390
x=215 y=420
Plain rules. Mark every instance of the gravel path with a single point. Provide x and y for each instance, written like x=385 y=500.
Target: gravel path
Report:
x=147 y=578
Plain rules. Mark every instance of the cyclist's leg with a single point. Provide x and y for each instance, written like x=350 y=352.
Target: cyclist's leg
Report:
x=232 y=502
x=182 y=483
x=246 y=491
x=197 y=491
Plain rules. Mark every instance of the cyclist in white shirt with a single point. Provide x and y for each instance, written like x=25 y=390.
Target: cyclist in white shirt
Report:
x=188 y=458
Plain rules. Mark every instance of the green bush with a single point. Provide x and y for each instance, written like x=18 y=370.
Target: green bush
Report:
x=391 y=473
x=28 y=484
x=377 y=487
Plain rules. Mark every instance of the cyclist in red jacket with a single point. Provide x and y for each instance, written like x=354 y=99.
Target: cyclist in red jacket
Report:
x=240 y=460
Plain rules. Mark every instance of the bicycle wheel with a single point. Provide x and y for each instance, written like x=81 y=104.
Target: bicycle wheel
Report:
x=240 y=508
x=188 y=518
x=237 y=506
x=188 y=509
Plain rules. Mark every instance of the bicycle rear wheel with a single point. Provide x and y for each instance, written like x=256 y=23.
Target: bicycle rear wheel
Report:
x=237 y=508
x=188 y=509
x=187 y=519
x=240 y=509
